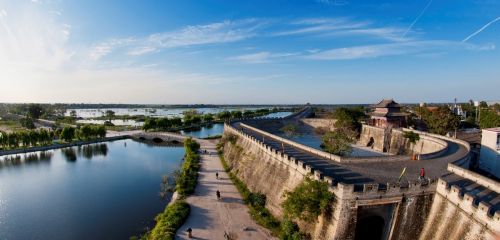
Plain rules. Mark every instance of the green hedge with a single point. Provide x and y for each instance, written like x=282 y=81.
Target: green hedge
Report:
x=169 y=221
x=186 y=181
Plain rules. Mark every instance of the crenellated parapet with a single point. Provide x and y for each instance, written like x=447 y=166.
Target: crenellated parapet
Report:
x=347 y=191
x=472 y=202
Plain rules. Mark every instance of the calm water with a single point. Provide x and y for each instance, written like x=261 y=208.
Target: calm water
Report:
x=159 y=112
x=203 y=132
x=100 y=191
x=218 y=128
x=314 y=141
x=88 y=114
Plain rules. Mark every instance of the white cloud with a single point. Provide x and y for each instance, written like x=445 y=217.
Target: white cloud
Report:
x=32 y=39
x=333 y=2
x=393 y=49
x=97 y=51
x=342 y=27
x=321 y=25
x=214 y=33
x=261 y=57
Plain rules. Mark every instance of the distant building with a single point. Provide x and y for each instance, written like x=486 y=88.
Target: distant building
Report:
x=388 y=113
x=489 y=159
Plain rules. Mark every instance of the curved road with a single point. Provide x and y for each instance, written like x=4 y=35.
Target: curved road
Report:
x=361 y=173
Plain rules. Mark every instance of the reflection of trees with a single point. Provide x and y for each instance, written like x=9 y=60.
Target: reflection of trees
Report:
x=87 y=151
x=27 y=158
x=69 y=154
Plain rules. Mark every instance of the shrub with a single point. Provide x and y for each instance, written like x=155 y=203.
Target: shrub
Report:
x=186 y=181
x=169 y=221
x=338 y=142
x=308 y=200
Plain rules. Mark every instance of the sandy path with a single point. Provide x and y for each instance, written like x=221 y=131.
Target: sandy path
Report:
x=209 y=217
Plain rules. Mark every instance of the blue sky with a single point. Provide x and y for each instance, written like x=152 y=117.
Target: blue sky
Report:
x=248 y=52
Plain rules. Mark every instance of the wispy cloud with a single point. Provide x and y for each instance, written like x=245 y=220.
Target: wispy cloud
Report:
x=321 y=25
x=342 y=27
x=214 y=33
x=393 y=49
x=261 y=57
x=334 y=2
x=481 y=29
x=32 y=39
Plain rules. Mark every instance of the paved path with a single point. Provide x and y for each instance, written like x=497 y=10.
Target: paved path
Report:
x=209 y=217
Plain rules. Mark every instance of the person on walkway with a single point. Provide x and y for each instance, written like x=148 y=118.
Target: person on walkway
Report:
x=190 y=232
x=217 y=175
x=422 y=174
x=218 y=194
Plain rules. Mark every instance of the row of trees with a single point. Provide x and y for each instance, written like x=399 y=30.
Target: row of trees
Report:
x=27 y=138
x=85 y=132
x=41 y=137
x=192 y=117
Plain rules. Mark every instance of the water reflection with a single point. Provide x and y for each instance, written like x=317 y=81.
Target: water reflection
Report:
x=25 y=158
x=86 y=151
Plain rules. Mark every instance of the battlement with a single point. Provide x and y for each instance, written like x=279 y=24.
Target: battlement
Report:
x=470 y=202
x=353 y=190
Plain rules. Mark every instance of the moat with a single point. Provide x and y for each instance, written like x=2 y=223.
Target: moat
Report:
x=100 y=191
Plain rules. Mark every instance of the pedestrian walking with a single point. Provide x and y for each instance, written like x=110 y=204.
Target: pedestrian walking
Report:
x=422 y=174
x=217 y=175
x=190 y=232
x=218 y=194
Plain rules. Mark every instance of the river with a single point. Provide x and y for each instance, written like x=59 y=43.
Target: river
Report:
x=100 y=191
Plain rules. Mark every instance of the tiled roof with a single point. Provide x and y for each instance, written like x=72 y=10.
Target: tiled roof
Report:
x=386 y=103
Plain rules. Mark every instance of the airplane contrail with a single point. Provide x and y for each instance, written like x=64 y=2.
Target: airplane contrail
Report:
x=480 y=30
x=416 y=19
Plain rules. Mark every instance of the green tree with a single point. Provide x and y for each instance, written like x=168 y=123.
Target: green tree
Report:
x=72 y=114
x=349 y=118
x=236 y=114
x=100 y=131
x=34 y=111
x=85 y=132
x=412 y=137
x=208 y=117
x=110 y=115
x=440 y=121
x=149 y=123
x=67 y=134
x=176 y=122
x=28 y=123
x=290 y=129
x=163 y=123
x=224 y=115
x=489 y=119
x=496 y=107
x=3 y=139
x=248 y=114
x=338 y=141
x=308 y=200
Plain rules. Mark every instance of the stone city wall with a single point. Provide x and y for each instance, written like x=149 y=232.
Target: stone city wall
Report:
x=271 y=172
x=394 y=142
x=457 y=216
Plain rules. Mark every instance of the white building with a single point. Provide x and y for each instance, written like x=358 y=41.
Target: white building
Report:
x=490 y=151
